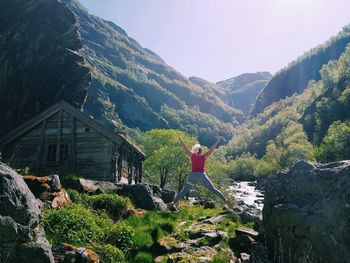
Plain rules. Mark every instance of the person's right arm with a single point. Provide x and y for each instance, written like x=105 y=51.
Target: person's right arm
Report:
x=187 y=150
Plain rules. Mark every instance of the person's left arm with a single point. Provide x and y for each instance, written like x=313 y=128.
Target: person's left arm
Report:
x=212 y=148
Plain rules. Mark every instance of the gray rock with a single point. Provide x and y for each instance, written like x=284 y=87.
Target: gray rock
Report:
x=142 y=196
x=22 y=239
x=95 y=187
x=19 y=212
x=242 y=243
x=54 y=182
x=246 y=231
x=306 y=212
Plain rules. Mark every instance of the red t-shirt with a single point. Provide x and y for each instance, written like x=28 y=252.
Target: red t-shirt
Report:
x=198 y=162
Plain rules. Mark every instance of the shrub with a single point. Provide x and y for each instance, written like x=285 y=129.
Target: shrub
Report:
x=221 y=257
x=156 y=234
x=168 y=227
x=75 y=224
x=74 y=195
x=110 y=254
x=142 y=240
x=143 y=257
x=114 y=204
x=121 y=236
x=70 y=180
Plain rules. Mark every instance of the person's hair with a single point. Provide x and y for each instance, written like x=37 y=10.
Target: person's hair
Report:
x=197 y=149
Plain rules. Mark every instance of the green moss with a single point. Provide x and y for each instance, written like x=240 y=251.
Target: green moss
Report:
x=110 y=254
x=74 y=195
x=75 y=224
x=115 y=205
x=143 y=257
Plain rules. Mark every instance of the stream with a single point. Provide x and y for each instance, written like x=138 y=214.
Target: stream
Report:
x=248 y=197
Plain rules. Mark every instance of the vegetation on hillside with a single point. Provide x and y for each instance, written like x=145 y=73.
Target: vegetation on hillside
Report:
x=132 y=85
x=137 y=237
x=313 y=126
x=295 y=77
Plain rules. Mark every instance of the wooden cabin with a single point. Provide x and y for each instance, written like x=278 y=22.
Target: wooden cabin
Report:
x=63 y=140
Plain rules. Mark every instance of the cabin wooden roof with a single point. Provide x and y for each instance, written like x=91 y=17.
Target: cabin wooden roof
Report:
x=63 y=105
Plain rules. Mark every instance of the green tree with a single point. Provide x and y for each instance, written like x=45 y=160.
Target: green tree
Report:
x=166 y=161
x=335 y=145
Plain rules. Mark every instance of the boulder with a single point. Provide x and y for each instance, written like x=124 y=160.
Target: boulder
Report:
x=242 y=243
x=48 y=190
x=306 y=213
x=94 y=187
x=22 y=239
x=67 y=253
x=142 y=196
x=166 y=195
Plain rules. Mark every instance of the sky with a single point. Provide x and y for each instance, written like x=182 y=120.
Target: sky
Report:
x=220 y=39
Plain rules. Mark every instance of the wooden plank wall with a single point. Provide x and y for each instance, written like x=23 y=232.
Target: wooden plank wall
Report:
x=91 y=155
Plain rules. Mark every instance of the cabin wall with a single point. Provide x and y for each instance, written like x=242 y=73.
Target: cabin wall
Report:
x=62 y=144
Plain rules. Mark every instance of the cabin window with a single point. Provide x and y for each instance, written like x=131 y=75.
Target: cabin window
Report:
x=51 y=152
x=64 y=150
x=53 y=155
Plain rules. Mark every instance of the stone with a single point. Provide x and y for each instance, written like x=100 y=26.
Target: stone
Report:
x=142 y=196
x=54 y=183
x=95 y=187
x=306 y=210
x=81 y=255
x=61 y=199
x=22 y=238
x=19 y=212
x=246 y=231
x=243 y=243
x=244 y=257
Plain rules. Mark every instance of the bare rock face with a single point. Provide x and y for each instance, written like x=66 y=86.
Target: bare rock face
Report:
x=306 y=213
x=22 y=239
x=40 y=57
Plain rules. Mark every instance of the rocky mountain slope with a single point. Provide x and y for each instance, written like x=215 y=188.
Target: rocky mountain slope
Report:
x=239 y=92
x=41 y=60
x=63 y=52
x=295 y=77
x=245 y=88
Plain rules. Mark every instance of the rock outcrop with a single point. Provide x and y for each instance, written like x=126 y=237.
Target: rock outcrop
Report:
x=22 y=238
x=40 y=57
x=48 y=190
x=144 y=196
x=306 y=213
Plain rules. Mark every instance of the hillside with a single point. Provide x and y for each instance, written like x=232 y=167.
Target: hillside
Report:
x=244 y=89
x=93 y=63
x=313 y=125
x=239 y=92
x=295 y=77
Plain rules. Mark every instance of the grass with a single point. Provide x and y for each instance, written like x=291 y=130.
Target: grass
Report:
x=91 y=222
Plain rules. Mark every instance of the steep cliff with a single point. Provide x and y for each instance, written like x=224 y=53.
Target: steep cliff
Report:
x=54 y=50
x=41 y=61
x=245 y=88
x=306 y=213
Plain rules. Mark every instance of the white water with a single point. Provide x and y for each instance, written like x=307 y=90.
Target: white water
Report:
x=248 y=194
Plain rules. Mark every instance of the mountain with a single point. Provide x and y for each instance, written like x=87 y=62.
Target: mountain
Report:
x=245 y=88
x=320 y=115
x=41 y=61
x=53 y=50
x=295 y=77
